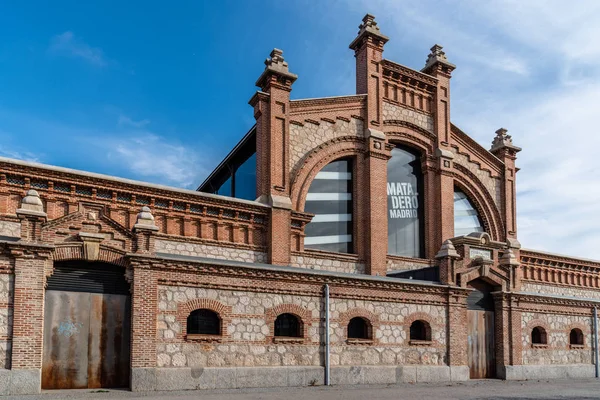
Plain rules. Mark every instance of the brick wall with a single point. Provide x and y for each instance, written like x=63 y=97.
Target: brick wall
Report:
x=421 y=119
x=328 y=263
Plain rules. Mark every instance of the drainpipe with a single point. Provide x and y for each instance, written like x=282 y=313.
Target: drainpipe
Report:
x=597 y=341
x=327 y=383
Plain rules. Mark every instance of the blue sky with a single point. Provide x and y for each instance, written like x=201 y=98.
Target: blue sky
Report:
x=158 y=91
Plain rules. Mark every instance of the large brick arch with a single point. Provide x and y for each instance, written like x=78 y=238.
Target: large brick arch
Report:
x=342 y=147
x=481 y=200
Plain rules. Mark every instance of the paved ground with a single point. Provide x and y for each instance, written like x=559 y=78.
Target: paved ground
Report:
x=490 y=389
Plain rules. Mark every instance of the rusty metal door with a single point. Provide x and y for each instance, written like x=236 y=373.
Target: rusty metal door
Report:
x=86 y=329
x=480 y=326
x=86 y=340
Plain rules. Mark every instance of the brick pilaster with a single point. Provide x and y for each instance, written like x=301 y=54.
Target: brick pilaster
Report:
x=438 y=66
x=144 y=303
x=271 y=109
x=28 y=308
x=457 y=332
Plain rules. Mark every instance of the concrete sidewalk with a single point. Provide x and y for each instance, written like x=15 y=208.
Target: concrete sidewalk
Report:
x=484 y=389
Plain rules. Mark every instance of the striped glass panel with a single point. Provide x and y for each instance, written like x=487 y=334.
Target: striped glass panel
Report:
x=466 y=218
x=330 y=199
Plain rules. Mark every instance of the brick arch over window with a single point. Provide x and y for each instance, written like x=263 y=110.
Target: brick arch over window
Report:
x=184 y=310
x=411 y=136
x=481 y=200
x=76 y=252
x=301 y=313
x=434 y=325
x=371 y=318
x=311 y=164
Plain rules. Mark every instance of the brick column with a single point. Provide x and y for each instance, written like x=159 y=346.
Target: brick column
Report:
x=144 y=305
x=446 y=257
x=508 y=335
x=375 y=238
x=457 y=332
x=271 y=109
x=368 y=51
x=437 y=65
x=503 y=148
x=30 y=259
x=144 y=230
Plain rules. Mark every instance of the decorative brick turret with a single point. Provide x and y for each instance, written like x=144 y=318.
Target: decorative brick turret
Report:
x=503 y=148
x=32 y=216
x=446 y=258
x=144 y=230
x=271 y=107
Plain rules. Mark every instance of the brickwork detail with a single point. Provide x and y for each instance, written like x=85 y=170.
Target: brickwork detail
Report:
x=311 y=134
x=10 y=229
x=328 y=264
x=493 y=185
x=204 y=250
x=393 y=112
x=558 y=328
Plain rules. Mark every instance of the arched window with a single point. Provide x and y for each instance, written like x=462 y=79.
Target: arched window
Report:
x=538 y=336
x=359 y=328
x=420 y=330
x=466 y=217
x=330 y=199
x=405 y=204
x=576 y=337
x=203 y=322
x=288 y=325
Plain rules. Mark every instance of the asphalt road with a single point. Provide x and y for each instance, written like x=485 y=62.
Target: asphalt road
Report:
x=488 y=389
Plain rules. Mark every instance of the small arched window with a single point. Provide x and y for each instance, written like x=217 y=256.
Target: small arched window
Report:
x=538 y=336
x=203 y=322
x=288 y=325
x=359 y=328
x=576 y=337
x=420 y=330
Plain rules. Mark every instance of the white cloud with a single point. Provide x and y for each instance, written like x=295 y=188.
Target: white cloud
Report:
x=19 y=155
x=156 y=158
x=67 y=44
x=531 y=67
x=125 y=121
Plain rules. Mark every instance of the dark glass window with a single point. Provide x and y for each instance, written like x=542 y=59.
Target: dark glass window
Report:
x=288 y=325
x=225 y=188
x=203 y=322
x=330 y=199
x=405 y=204
x=576 y=337
x=359 y=328
x=538 y=335
x=420 y=330
x=245 y=179
x=466 y=217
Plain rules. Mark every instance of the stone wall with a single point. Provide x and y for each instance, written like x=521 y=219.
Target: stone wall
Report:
x=558 y=350
x=6 y=317
x=556 y=290
x=327 y=264
x=393 y=112
x=397 y=264
x=10 y=229
x=204 y=250
x=305 y=138
x=247 y=339
x=493 y=185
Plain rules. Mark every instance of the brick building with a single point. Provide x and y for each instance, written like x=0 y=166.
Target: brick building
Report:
x=371 y=213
